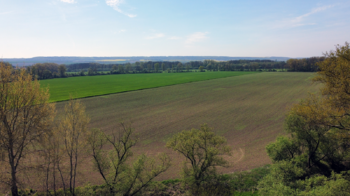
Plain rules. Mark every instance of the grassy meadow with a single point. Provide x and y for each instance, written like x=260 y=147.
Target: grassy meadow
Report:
x=248 y=110
x=88 y=86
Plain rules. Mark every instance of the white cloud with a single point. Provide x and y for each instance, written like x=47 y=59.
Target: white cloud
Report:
x=175 y=38
x=313 y=11
x=299 y=21
x=196 y=37
x=115 y=4
x=68 y=1
x=155 y=36
x=121 y=31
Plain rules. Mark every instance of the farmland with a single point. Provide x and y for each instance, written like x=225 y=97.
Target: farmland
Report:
x=248 y=110
x=88 y=86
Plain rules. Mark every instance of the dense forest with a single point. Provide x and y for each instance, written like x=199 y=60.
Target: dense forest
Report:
x=52 y=70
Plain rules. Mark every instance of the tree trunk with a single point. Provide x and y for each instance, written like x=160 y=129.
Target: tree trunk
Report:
x=14 y=188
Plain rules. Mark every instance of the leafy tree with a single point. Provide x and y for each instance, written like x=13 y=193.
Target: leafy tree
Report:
x=138 y=68
x=114 y=68
x=91 y=72
x=149 y=67
x=81 y=73
x=209 y=67
x=202 y=150
x=25 y=117
x=201 y=68
x=156 y=67
x=73 y=128
x=187 y=68
x=62 y=70
x=163 y=66
x=179 y=67
x=318 y=146
x=121 y=69
x=46 y=74
x=113 y=166
x=128 y=68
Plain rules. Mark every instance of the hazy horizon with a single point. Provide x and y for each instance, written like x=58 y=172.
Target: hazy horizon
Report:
x=121 y=28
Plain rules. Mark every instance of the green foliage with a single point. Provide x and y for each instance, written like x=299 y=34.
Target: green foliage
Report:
x=310 y=162
x=247 y=181
x=171 y=181
x=246 y=194
x=312 y=153
x=121 y=69
x=62 y=71
x=283 y=149
x=276 y=184
x=156 y=67
x=108 y=84
x=202 y=150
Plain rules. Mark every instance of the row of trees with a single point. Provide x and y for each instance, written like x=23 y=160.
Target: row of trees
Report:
x=210 y=65
x=42 y=71
x=304 y=65
x=315 y=158
x=35 y=144
x=301 y=65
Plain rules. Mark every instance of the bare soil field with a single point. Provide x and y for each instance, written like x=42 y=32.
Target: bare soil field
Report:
x=248 y=110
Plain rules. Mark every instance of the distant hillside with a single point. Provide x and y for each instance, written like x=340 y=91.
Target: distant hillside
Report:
x=107 y=60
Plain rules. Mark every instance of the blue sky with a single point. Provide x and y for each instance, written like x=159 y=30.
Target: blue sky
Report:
x=260 y=28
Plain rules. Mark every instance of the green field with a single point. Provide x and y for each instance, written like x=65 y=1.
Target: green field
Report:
x=88 y=86
x=247 y=110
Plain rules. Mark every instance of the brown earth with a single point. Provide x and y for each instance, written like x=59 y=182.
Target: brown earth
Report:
x=248 y=110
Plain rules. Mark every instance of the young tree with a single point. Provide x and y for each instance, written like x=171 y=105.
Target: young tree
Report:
x=72 y=128
x=202 y=150
x=163 y=66
x=25 y=117
x=119 y=176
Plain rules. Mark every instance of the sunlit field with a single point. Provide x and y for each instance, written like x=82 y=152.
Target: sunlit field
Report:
x=88 y=86
x=248 y=110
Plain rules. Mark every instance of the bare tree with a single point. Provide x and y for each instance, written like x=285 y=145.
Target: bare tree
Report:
x=120 y=177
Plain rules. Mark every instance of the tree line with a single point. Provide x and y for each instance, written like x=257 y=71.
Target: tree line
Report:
x=305 y=64
x=42 y=71
x=168 y=66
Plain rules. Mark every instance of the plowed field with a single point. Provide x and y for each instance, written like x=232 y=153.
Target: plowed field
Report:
x=248 y=110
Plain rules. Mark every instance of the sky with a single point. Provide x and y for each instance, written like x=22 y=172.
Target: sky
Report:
x=259 y=28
